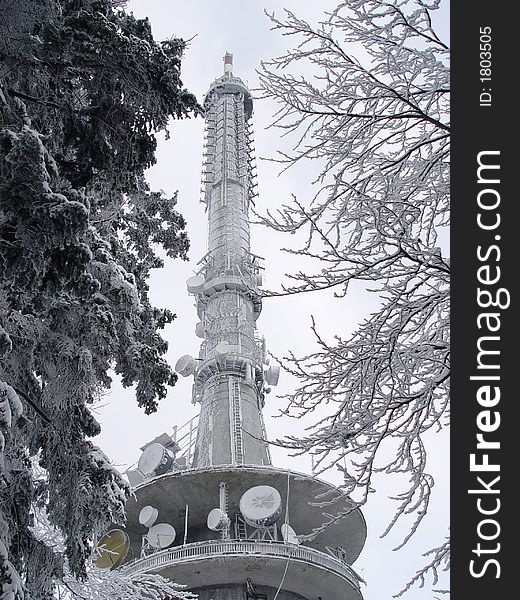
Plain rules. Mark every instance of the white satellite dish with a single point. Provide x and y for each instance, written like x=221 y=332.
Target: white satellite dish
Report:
x=217 y=520
x=223 y=347
x=261 y=506
x=195 y=284
x=186 y=365
x=272 y=374
x=289 y=535
x=161 y=536
x=148 y=516
x=199 y=330
x=155 y=460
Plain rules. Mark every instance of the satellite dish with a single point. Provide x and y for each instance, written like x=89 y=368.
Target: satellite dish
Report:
x=111 y=550
x=217 y=520
x=161 y=536
x=155 y=460
x=148 y=516
x=272 y=375
x=195 y=284
x=199 y=330
x=223 y=347
x=289 y=535
x=186 y=365
x=261 y=506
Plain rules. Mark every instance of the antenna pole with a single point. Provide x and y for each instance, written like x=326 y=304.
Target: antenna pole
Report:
x=186 y=526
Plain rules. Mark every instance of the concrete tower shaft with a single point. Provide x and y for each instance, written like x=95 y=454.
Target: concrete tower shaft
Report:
x=229 y=381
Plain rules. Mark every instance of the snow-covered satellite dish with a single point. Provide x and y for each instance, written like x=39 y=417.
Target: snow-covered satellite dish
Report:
x=261 y=506
x=272 y=375
x=195 y=284
x=289 y=535
x=217 y=520
x=155 y=460
x=223 y=347
x=148 y=516
x=186 y=365
x=111 y=550
x=199 y=330
x=161 y=536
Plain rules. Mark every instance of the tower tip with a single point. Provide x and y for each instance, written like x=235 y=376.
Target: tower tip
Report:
x=228 y=63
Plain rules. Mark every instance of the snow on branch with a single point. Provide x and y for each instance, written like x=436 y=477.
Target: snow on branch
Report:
x=364 y=95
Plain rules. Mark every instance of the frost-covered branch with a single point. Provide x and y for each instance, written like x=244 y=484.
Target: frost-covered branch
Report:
x=440 y=561
x=365 y=96
x=100 y=584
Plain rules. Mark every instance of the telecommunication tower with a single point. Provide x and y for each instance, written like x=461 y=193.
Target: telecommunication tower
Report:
x=210 y=511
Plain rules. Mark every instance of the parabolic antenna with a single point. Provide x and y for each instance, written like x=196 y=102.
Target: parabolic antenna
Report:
x=217 y=520
x=195 y=284
x=111 y=549
x=186 y=365
x=148 y=516
x=272 y=374
x=155 y=460
x=223 y=347
x=289 y=535
x=261 y=506
x=161 y=536
x=199 y=330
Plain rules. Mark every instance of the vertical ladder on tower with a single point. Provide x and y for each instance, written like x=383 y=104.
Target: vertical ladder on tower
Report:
x=264 y=436
x=237 y=443
x=240 y=529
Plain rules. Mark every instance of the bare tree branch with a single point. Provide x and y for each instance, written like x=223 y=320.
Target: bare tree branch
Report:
x=375 y=118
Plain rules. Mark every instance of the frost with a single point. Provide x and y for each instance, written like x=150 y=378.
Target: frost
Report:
x=373 y=123
x=12 y=586
x=80 y=231
x=6 y=345
x=10 y=405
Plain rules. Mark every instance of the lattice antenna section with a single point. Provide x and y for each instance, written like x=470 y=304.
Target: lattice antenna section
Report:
x=252 y=184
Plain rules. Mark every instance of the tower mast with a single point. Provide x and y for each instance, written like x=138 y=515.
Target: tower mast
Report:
x=229 y=379
x=250 y=530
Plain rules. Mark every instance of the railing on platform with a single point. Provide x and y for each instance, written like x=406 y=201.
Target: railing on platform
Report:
x=237 y=547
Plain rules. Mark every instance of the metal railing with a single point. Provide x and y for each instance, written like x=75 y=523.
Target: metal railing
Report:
x=237 y=547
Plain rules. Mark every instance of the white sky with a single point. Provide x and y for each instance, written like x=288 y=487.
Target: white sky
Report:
x=242 y=28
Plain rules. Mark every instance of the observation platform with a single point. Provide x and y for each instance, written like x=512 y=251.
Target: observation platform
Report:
x=228 y=562
x=195 y=492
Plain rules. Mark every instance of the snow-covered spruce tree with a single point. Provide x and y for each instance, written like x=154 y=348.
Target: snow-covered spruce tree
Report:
x=83 y=89
x=374 y=115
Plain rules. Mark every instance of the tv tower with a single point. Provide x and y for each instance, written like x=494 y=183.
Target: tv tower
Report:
x=210 y=511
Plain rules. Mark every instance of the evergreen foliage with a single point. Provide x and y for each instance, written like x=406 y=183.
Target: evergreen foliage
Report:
x=83 y=91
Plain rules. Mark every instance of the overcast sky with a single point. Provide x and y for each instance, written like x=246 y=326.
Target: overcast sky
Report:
x=242 y=28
